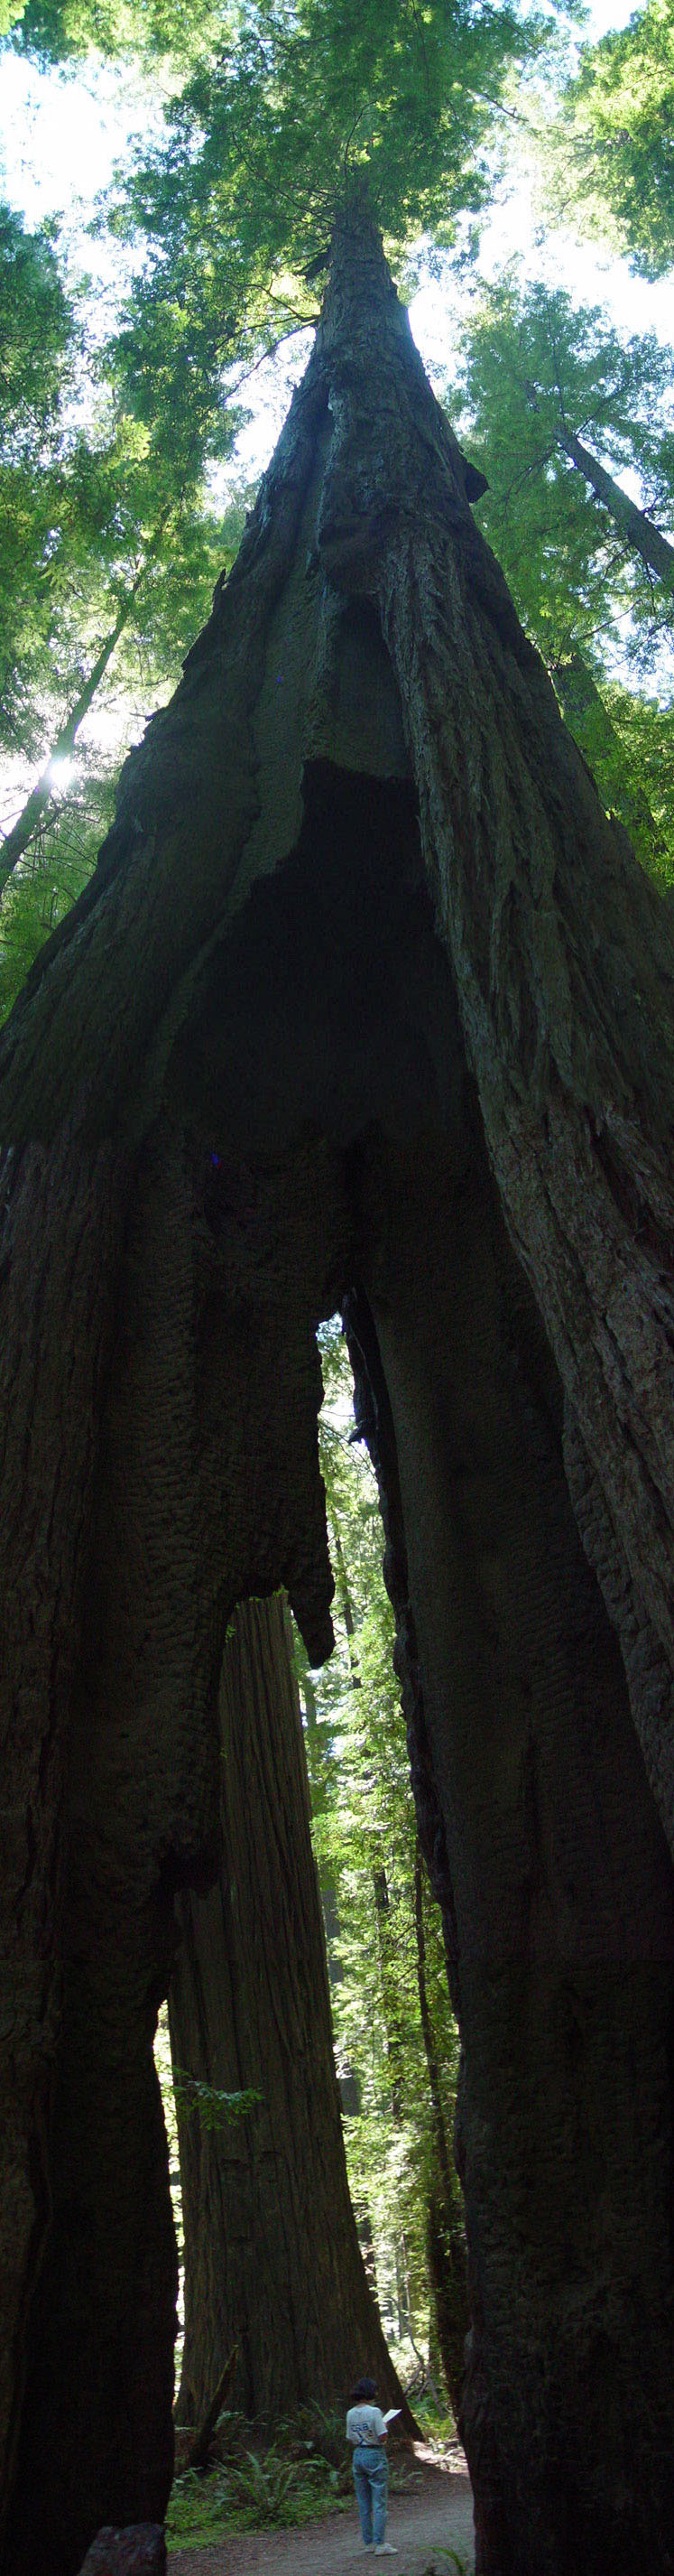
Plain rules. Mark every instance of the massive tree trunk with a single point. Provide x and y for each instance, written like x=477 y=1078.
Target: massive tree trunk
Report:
x=272 y=2261
x=556 y=1887
x=367 y=996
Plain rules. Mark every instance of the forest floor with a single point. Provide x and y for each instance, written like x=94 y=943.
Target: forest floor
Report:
x=431 y=2530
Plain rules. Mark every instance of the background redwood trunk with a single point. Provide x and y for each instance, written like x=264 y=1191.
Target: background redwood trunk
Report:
x=272 y=2260
x=634 y=523
x=445 y=2222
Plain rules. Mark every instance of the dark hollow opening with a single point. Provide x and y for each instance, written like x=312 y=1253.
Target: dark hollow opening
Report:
x=330 y=1008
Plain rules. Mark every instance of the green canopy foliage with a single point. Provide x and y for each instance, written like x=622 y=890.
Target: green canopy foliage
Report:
x=61 y=856
x=535 y=366
x=62 y=31
x=234 y=202
x=36 y=333
x=223 y=220
x=174 y=588
x=109 y=549
x=616 y=139
x=38 y=345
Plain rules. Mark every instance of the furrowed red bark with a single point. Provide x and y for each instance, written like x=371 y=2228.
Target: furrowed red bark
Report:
x=61 y=1229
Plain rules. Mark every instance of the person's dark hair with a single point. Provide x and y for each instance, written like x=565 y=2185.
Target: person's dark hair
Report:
x=363 y=2388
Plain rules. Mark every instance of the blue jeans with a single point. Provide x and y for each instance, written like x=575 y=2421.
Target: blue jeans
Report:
x=370 y=2478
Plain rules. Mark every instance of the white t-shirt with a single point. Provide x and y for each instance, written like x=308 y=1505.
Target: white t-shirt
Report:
x=365 y=2423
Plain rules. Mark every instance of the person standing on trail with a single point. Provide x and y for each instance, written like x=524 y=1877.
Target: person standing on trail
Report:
x=367 y=2430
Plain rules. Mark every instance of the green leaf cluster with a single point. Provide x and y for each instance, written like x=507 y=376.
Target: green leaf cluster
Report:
x=38 y=345
x=58 y=863
x=535 y=365
x=615 y=140
x=64 y=31
x=109 y=549
x=237 y=202
x=215 y=2109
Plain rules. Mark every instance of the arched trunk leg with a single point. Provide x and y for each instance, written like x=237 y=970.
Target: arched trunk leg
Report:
x=561 y=1907
x=207 y=1479
x=96 y=2438
x=61 y=1213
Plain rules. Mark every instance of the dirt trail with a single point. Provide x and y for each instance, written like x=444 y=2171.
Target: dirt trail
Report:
x=424 y=2526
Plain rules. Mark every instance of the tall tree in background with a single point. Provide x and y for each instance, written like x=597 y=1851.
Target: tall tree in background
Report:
x=38 y=354
x=614 y=140
x=388 y=1939
x=545 y=381
x=110 y=541
x=272 y=2260
x=551 y=383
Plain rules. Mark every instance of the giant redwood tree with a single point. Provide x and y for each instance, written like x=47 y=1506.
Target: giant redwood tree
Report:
x=273 y=2267
x=367 y=1003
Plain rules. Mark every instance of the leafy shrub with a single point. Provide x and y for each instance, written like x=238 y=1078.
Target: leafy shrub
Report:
x=321 y=2431
x=231 y=2433
x=289 y=2482
x=271 y=2490
x=197 y=2506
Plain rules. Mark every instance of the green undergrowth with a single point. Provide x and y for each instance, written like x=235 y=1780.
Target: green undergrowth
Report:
x=264 y=2493
x=433 y=2414
x=253 y=2483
